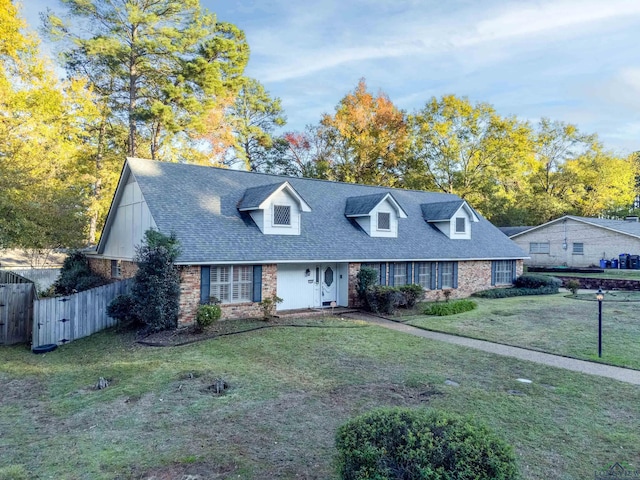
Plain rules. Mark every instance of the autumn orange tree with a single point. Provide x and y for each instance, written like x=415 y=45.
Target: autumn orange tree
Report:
x=368 y=138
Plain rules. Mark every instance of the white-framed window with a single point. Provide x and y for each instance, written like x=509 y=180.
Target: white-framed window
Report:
x=282 y=215
x=446 y=275
x=578 y=248
x=384 y=221
x=423 y=271
x=461 y=225
x=232 y=283
x=539 y=247
x=399 y=274
x=503 y=272
x=116 y=269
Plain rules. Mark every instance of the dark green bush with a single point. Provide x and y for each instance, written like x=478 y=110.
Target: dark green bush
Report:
x=207 y=315
x=122 y=308
x=532 y=280
x=413 y=293
x=76 y=276
x=366 y=280
x=449 y=308
x=156 y=285
x=515 y=292
x=405 y=444
x=384 y=299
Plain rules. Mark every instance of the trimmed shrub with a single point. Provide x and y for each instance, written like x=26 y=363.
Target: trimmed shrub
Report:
x=573 y=286
x=207 y=315
x=76 y=276
x=366 y=280
x=449 y=308
x=413 y=293
x=532 y=280
x=384 y=299
x=406 y=444
x=515 y=292
x=122 y=309
x=156 y=285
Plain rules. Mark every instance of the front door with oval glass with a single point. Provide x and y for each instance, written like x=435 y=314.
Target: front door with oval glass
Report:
x=329 y=290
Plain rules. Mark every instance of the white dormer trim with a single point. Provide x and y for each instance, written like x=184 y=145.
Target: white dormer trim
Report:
x=463 y=216
x=400 y=213
x=280 y=212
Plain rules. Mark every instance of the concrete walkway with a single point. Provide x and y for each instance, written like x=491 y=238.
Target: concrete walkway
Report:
x=592 y=368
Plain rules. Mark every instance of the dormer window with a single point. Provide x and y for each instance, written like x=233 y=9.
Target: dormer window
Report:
x=282 y=215
x=384 y=221
x=376 y=214
x=275 y=208
x=453 y=218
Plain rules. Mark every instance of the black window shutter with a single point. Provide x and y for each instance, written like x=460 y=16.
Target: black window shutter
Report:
x=513 y=271
x=433 y=282
x=455 y=274
x=391 y=271
x=383 y=274
x=205 y=284
x=439 y=275
x=493 y=272
x=257 y=283
x=409 y=273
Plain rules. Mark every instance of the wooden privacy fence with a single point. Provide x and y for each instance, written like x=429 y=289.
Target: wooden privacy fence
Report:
x=64 y=319
x=16 y=311
x=42 y=277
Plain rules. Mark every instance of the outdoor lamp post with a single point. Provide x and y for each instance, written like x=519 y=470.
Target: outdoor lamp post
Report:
x=599 y=297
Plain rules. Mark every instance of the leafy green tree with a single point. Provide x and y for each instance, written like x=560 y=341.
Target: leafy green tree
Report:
x=301 y=154
x=469 y=150
x=157 y=66
x=42 y=197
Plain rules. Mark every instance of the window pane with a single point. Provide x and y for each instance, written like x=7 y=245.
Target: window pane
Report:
x=578 y=248
x=503 y=272
x=446 y=274
x=399 y=274
x=460 y=225
x=384 y=221
x=424 y=274
x=281 y=215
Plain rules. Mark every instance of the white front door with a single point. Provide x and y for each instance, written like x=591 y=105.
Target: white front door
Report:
x=328 y=284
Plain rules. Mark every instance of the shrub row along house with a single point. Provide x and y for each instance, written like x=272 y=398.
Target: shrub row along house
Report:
x=247 y=236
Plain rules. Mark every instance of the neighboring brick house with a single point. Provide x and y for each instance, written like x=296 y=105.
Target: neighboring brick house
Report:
x=247 y=236
x=578 y=241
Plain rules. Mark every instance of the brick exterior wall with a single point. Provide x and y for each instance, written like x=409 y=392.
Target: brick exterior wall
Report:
x=190 y=295
x=473 y=276
x=102 y=266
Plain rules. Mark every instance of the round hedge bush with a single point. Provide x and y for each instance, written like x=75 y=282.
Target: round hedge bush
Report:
x=406 y=444
x=207 y=315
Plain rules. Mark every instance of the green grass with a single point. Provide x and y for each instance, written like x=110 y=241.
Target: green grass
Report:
x=290 y=389
x=551 y=323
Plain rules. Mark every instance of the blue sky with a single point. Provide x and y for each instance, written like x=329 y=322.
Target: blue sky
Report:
x=576 y=61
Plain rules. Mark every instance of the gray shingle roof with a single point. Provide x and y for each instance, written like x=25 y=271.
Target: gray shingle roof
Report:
x=253 y=197
x=433 y=212
x=508 y=231
x=624 y=226
x=363 y=205
x=200 y=204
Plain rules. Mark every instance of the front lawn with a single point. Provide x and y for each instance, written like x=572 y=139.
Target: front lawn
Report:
x=289 y=390
x=551 y=323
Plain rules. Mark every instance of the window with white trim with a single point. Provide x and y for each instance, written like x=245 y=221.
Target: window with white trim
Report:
x=423 y=270
x=578 y=249
x=384 y=221
x=116 y=269
x=399 y=274
x=503 y=272
x=232 y=283
x=282 y=215
x=539 y=247
x=446 y=275
x=461 y=225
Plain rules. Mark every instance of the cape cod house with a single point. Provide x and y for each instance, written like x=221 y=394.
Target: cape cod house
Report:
x=247 y=236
